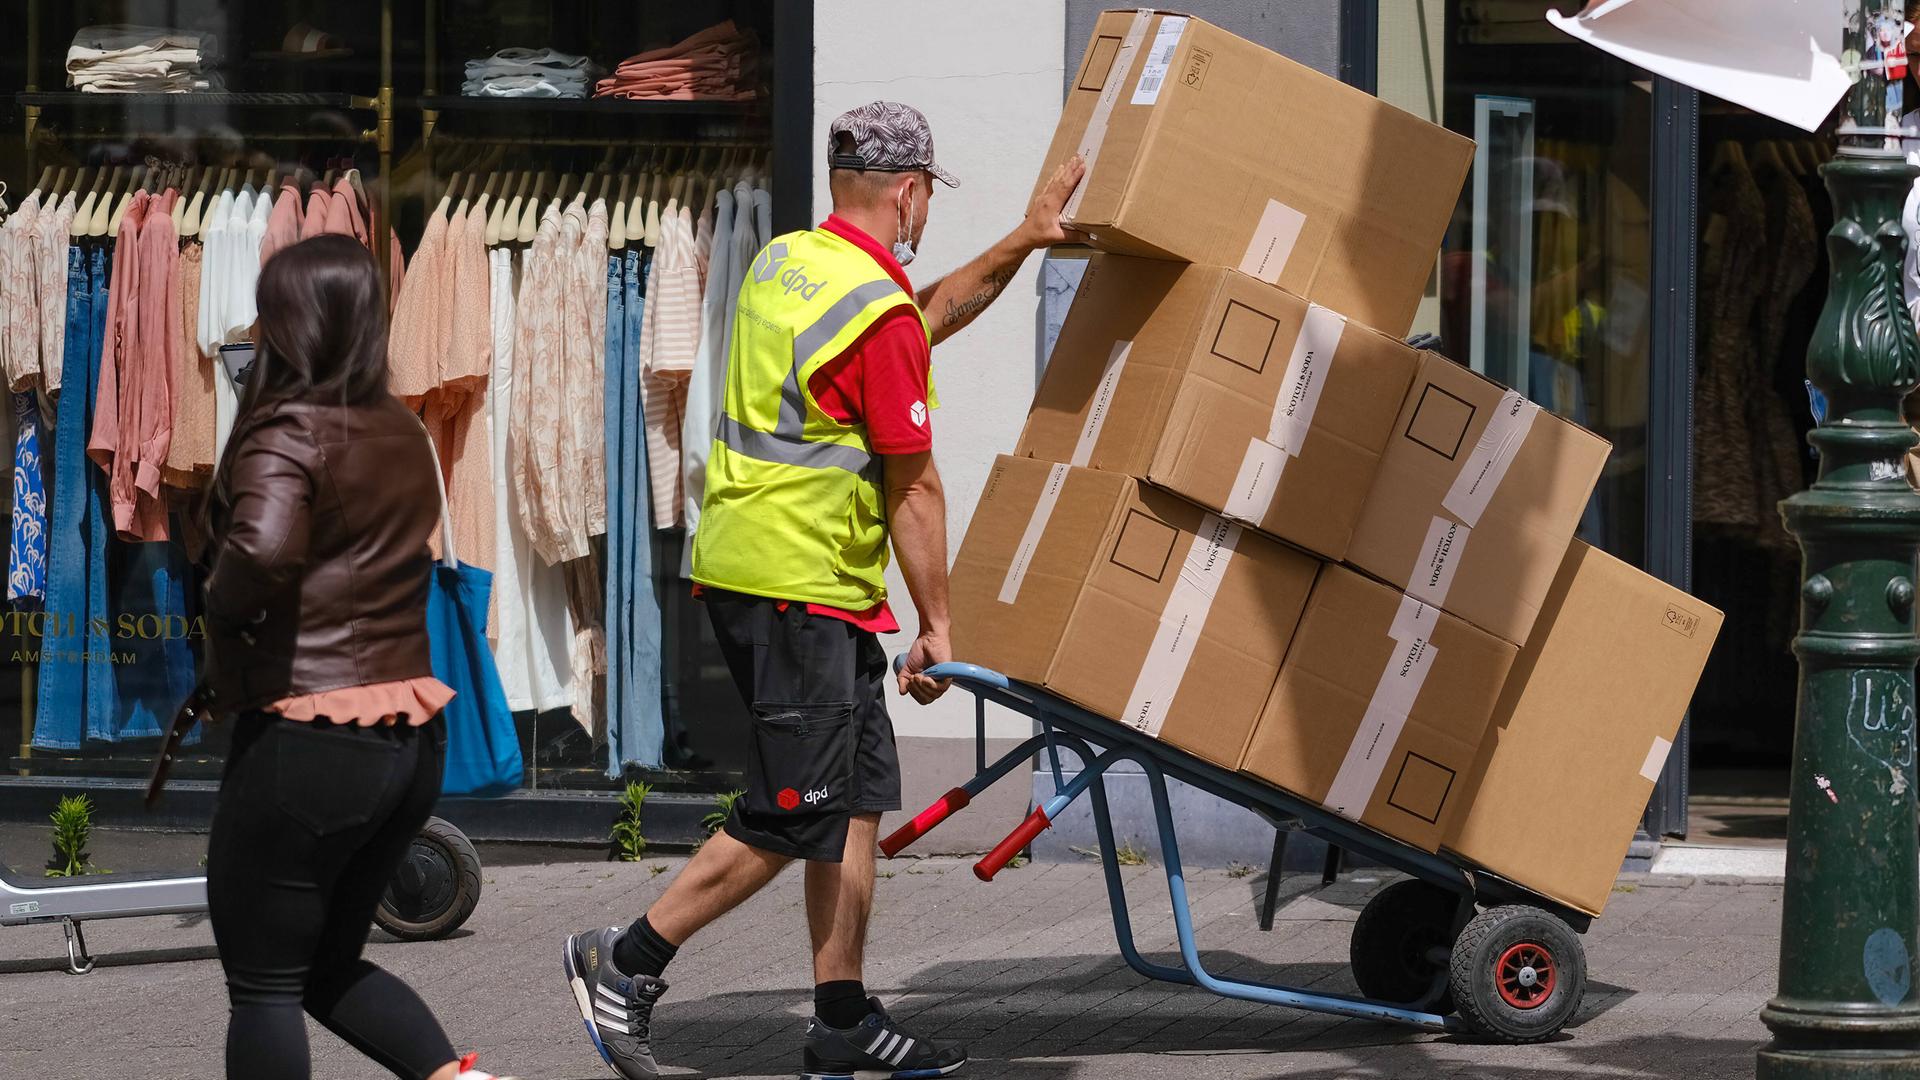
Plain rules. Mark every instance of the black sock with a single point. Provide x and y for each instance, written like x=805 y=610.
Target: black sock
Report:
x=642 y=951
x=841 y=1004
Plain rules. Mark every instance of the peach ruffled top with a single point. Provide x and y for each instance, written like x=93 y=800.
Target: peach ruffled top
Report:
x=408 y=701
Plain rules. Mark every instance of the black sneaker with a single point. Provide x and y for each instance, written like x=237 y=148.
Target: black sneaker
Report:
x=875 y=1047
x=617 y=1009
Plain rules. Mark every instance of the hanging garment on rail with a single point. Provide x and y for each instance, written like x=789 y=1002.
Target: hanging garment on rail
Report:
x=535 y=630
x=635 y=724
x=133 y=416
x=76 y=687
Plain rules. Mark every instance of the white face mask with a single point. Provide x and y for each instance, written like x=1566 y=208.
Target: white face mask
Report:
x=903 y=241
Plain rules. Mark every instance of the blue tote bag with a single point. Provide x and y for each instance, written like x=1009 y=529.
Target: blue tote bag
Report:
x=483 y=750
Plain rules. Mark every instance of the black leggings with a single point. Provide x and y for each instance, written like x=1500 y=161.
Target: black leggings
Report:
x=312 y=821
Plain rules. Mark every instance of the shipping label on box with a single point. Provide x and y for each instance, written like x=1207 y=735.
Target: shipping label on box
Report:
x=1266 y=408
x=1380 y=708
x=1204 y=147
x=1128 y=601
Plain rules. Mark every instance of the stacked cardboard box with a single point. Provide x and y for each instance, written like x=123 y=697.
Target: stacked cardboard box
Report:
x=1241 y=519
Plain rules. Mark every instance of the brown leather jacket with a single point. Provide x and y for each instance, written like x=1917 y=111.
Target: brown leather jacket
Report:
x=319 y=558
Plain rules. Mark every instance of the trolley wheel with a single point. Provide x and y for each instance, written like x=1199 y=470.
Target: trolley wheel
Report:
x=1399 y=941
x=436 y=887
x=1518 y=974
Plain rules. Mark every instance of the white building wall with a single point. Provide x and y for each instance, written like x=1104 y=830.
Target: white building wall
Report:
x=988 y=75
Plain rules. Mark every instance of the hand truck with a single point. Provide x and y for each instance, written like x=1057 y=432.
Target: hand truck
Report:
x=1452 y=949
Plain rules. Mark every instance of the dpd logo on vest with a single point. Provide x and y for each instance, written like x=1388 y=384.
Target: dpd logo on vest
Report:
x=771 y=259
x=793 y=279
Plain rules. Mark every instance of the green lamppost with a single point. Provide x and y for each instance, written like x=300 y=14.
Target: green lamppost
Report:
x=1847 y=1004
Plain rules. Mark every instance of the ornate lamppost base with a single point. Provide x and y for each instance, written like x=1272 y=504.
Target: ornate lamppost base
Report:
x=1779 y=1064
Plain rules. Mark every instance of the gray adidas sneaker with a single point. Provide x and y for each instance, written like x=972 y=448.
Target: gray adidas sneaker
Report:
x=875 y=1047
x=617 y=1009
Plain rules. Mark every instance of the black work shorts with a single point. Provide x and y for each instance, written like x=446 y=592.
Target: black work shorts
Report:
x=822 y=745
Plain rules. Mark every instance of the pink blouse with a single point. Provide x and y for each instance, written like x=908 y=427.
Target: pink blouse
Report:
x=410 y=701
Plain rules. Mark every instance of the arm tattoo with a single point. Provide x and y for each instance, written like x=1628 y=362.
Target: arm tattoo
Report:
x=994 y=283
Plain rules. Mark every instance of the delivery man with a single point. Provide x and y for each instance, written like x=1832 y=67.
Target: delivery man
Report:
x=823 y=453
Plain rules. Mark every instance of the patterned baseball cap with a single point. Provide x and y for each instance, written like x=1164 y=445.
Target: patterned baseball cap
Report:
x=884 y=136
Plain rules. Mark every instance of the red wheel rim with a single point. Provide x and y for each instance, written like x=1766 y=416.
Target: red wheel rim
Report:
x=1524 y=975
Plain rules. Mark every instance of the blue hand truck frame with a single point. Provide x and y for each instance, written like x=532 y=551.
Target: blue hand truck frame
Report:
x=1499 y=994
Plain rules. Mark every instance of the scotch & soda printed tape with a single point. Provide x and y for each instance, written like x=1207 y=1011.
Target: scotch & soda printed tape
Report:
x=1181 y=622
x=1380 y=726
x=1030 y=539
x=1102 y=401
x=1438 y=561
x=1258 y=481
x=1486 y=466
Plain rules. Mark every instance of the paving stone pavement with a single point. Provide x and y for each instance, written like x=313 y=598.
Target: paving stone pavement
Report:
x=1022 y=970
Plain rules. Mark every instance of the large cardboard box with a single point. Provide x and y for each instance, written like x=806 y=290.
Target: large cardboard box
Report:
x=1478 y=493
x=1380 y=708
x=1234 y=393
x=1207 y=148
x=1582 y=729
x=1129 y=601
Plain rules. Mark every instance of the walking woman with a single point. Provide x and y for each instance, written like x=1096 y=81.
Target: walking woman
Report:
x=316 y=607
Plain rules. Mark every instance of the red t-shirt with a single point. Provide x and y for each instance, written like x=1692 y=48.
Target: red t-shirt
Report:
x=881 y=381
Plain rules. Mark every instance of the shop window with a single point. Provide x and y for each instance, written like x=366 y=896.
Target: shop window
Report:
x=401 y=113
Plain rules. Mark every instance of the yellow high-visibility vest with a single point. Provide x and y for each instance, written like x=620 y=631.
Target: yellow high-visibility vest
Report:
x=794 y=507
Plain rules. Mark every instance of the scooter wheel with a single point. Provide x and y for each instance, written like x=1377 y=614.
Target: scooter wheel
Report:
x=436 y=887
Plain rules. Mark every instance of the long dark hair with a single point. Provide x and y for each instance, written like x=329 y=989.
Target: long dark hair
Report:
x=321 y=335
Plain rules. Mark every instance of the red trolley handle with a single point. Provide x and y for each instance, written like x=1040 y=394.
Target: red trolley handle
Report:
x=924 y=821
x=1017 y=840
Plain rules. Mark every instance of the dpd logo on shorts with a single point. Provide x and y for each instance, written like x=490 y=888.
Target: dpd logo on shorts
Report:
x=789 y=799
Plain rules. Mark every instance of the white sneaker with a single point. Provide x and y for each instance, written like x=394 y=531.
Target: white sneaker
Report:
x=468 y=1072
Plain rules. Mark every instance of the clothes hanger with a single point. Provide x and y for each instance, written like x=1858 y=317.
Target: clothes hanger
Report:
x=83 y=215
x=126 y=201
x=507 y=225
x=46 y=177
x=103 y=207
x=530 y=218
x=496 y=221
x=617 y=223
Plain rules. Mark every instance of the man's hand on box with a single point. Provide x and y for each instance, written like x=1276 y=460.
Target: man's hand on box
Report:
x=1043 y=225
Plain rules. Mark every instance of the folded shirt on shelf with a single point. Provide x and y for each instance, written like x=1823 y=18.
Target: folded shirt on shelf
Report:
x=720 y=63
x=121 y=59
x=519 y=72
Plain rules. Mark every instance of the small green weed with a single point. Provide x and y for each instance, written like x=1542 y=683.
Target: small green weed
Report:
x=72 y=821
x=1239 y=870
x=628 y=843
x=657 y=869
x=722 y=809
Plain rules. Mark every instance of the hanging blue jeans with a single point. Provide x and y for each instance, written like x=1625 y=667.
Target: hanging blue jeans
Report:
x=154 y=672
x=76 y=691
x=635 y=730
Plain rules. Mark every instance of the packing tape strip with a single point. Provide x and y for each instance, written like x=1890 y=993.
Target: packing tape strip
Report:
x=1096 y=132
x=1487 y=464
x=1102 y=401
x=1258 y=481
x=1030 y=539
x=1438 y=561
x=1181 y=622
x=1272 y=242
x=1656 y=759
x=1385 y=718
